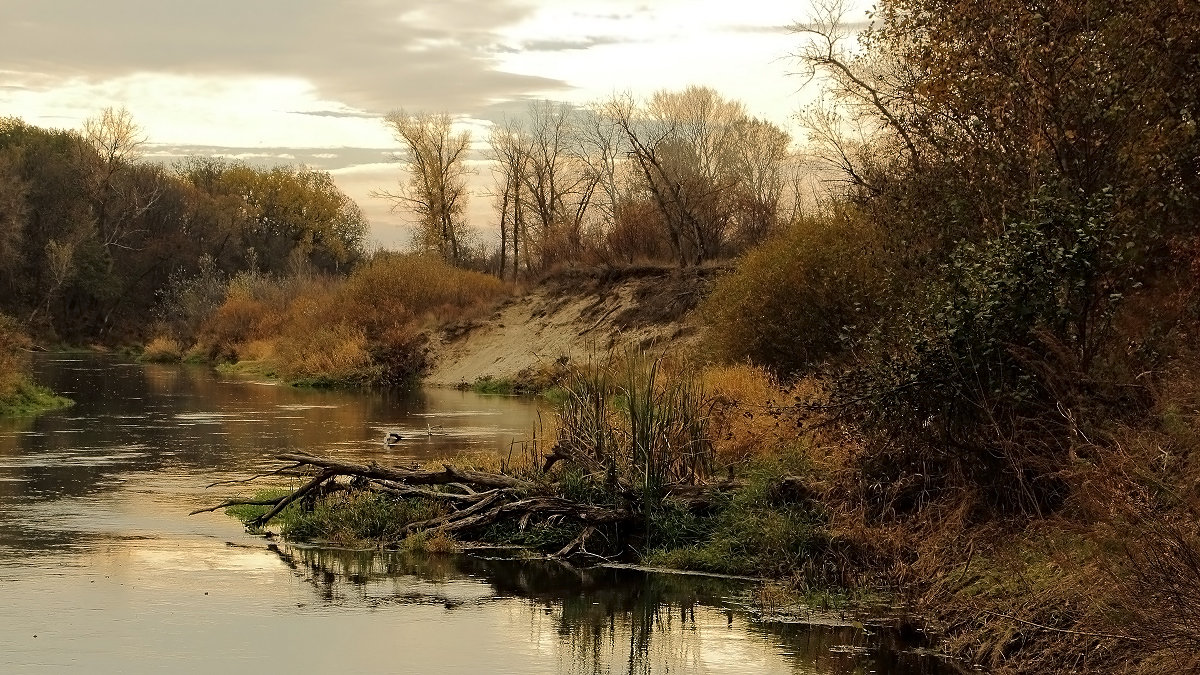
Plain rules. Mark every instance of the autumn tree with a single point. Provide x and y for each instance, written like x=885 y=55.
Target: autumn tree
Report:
x=293 y=216
x=695 y=151
x=1031 y=165
x=435 y=190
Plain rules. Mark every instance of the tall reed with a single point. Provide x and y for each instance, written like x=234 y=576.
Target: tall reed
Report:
x=645 y=423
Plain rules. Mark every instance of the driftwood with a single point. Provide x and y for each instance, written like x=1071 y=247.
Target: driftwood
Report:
x=473 y=499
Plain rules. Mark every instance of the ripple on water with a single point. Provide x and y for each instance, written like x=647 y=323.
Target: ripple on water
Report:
x=306 y=406
x=206 y=417
x=82 y=456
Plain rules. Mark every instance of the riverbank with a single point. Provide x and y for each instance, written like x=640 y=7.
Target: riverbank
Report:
x=19 y=395
x=574 y=317
x=768 y=479
x=749 y=483
x=26 y=398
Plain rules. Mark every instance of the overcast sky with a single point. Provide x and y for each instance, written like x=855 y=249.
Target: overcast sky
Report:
x=291 y=81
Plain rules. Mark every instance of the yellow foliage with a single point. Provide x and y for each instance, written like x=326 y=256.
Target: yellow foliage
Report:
x=366 y=327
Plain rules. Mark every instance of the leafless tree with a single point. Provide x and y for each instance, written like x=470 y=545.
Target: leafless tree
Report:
x=436 y=187
x=116 y=204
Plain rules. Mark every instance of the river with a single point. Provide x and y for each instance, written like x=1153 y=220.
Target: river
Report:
x=103 y=571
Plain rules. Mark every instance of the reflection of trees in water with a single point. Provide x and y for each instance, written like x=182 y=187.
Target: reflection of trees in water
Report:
x=601 y=620
x=147 y=417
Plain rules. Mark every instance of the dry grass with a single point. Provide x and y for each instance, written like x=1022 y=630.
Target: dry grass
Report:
x=163 y=349
x=748 y=417
x=366 y=328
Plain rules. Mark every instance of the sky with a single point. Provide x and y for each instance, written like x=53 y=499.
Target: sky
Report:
x=308 y=81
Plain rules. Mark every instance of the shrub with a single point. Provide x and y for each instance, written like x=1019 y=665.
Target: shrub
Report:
x=365 y=329
x=995 y=375
x=162 y=349
x=800 y=298
x=759 y=530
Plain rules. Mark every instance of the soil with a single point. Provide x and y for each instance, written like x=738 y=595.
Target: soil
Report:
x=573 y=316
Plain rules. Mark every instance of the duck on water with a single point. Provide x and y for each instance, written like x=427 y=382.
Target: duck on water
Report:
x=393 y=437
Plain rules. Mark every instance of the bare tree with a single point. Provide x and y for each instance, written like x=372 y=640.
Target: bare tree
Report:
x=698 y=154
x=757 y=166
x=599 y=145
x=509 y=154
x=116 y=204
x=436 y=188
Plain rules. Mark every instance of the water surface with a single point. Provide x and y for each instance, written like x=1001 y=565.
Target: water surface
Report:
x=102 y=570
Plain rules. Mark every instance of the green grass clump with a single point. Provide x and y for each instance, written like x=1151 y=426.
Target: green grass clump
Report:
x=358 y=518
x=27 y=398
x=756 y=531
x=493 y=385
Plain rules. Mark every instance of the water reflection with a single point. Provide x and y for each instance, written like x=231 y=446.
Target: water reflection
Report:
x=604 y=620
x=133 y=417
x=103 y=571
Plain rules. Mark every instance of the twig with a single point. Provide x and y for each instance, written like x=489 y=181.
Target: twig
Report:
x=1064 y=630
x=283 y=503
x=276 y=472
x=240 y=502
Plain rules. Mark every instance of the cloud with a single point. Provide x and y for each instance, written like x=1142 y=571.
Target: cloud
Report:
x=372 y=55
x=570 y=45
x=339 y=114
x=753 y=30
x=321 y=159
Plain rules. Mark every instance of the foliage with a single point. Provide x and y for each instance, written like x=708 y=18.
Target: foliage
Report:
x=90 y=235
x=991 y=378
x=802 y=297
x=761 y=530
x=639 y=420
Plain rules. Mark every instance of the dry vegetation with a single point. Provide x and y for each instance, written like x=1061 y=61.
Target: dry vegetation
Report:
x=18 y=395
x=367 y=328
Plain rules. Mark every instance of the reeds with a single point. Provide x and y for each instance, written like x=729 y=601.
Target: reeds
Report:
x=645 y=423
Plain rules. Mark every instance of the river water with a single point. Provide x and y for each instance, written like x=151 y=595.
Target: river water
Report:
x=103 y=571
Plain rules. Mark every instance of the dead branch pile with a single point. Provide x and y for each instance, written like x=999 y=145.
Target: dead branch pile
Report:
x=473 y=499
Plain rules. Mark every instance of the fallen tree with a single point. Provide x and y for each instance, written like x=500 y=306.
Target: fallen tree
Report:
x=470 y=500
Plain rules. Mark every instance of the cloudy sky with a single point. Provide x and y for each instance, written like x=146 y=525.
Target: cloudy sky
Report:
x=307 y=81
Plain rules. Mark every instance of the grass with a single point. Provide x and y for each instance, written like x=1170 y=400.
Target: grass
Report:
x=493 y=385
x=26 y=398
x=248 y=512
x=759 y=530
x=351 y=518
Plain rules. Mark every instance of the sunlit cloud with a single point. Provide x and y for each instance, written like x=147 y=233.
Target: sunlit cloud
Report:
x=308 y=81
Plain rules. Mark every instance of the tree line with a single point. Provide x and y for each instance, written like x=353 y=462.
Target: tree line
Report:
x=90 y=232
x=684 y=177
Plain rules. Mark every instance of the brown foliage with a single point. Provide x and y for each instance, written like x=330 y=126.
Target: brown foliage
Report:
x=366 y=328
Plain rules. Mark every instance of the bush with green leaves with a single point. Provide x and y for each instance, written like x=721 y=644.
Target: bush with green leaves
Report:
x=993 y=375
